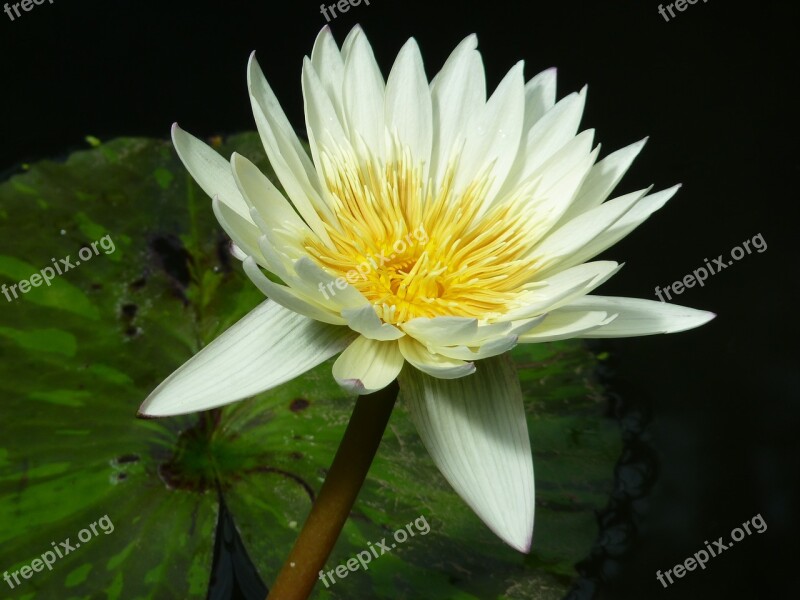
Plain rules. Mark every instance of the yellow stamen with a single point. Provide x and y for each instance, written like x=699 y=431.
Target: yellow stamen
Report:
x=415 y=249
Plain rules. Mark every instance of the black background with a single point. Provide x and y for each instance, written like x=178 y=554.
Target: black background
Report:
x=713 y=88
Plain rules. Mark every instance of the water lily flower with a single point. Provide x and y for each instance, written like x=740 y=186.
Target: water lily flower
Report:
x=478 y=220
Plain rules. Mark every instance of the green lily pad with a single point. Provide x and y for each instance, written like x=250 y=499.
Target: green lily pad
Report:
x=80 y=354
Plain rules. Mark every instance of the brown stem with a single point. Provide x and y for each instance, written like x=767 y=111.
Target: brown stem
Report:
x=337 y=496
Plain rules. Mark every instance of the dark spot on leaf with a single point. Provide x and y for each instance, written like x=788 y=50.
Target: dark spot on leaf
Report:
x=296 y=455
x=132 y=331
x=122 y=476
x=129 y=311
x=299 y=404
x=173 y=257
x=128 y=458
x=96 y=287
x=138 y=284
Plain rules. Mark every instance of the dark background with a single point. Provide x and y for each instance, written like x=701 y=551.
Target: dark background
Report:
x=714 y=412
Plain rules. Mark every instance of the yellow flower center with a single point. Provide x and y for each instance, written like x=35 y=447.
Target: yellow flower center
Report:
x=415 y=249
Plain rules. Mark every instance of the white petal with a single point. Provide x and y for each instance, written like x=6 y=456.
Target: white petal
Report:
x=313 y=279
x=363 y=95
x=493 y=140
x=243 y=233
x=408 y=103
x=367 y=366
x=211 y=172
x=435 y=365
x=259 y=193
x=580 y=231
x=328 y=63
x=627 y=223
x=636 y=316
x=290 y=298
x=450 y=331
x=554 y=129
x=266 y=348
x=563 y=287
x=287 y=157
x=540 y=96
x=365 y=321
x=325 y=130
x=458 y=93
x=603 y=178
x=562 y=325
x=476 y=433
x=481 y=351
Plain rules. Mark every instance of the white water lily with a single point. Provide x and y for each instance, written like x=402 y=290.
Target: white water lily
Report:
x=513 y=204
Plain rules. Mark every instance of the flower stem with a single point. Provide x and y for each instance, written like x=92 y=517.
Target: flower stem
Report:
x=336 y=497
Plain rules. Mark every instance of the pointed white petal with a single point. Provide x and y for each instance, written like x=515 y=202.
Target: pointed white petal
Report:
x=627 y=223
x=580 y=231
x=486 y=349
x=328 y=63
x=458 y=93
x=554 y=129
x=562 y=287
x=367 y=366
x=292 y=166
x=290 y=298
x=636 y=316
x=313 y=279
x=269 y=346
x=435 y=365
x=540 y=96
x=365 y=321
x=451 y=331
x=562 y=325
x=325 y=129
x=243 y=233
x=603 y=178
x=476 y=433
x=363 y=95
x=493 y=141
x=408 y=104
x=211 y=172
x=260 y=194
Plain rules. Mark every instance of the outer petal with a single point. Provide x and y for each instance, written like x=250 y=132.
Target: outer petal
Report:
x=210 y=171
x=289 y=297
x=476 y=433
x=435 y=365
x=269 y=346
x=627 y=223
x=562 y=325
x=368 y=365
x=636 y=316
x=563 y=287
x=603 y=178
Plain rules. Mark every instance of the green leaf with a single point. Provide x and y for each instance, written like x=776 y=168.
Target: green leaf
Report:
x=80 y=354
